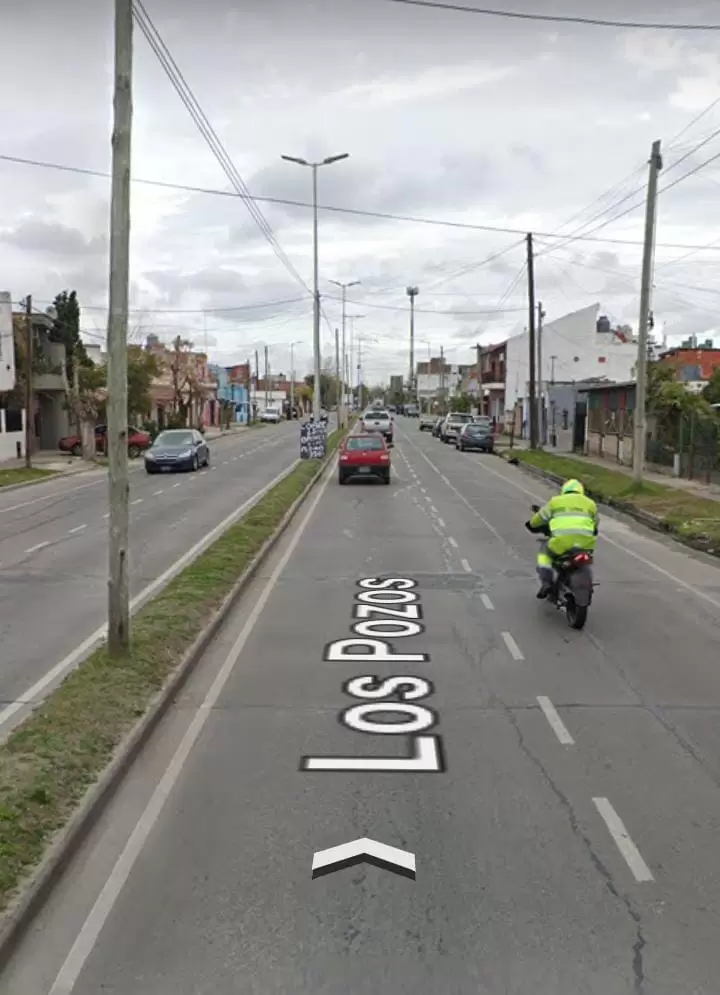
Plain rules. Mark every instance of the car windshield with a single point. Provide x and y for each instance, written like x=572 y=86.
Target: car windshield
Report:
x=379 y=415
x=174 y=438
x=363 y=443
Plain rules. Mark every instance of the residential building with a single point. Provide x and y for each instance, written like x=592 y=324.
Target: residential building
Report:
x=580 y=346
x=193 y=386
x=693 y=364
x=232 y=391
x=437 y=378
x=95 y=353
x=491 y=380
x=608 y=418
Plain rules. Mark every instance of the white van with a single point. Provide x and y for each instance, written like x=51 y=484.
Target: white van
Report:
x=271 y=415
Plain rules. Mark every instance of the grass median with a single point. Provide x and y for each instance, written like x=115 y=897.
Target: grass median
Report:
x=693 y=519
x=24 y=475
x=49 y=762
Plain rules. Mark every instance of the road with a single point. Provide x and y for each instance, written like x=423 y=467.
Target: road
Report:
x=567 y=847
x=53 y=547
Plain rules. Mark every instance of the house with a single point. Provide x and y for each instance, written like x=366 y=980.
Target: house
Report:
x=580 y=346
x=232 y=390
x=185 y=381
x=608 y=419
x=491 y=380
x=693 y=364
x=437 y=379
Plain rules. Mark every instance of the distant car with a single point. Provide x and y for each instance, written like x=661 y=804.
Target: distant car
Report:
x=138 y=442
x=453 y=424
x=272 y=414
x=412 y=410
x=483 y=420
x=378 y=421
x=177 y=449
x=475 y=437
x=427 y=422
x=437 y=427
x=364 y=455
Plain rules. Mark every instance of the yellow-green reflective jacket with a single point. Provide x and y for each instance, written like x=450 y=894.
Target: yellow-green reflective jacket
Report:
x=572 y=519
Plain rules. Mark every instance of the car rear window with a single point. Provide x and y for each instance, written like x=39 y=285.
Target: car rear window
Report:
x=359 y=444
x=378 y=415
x=478 y=429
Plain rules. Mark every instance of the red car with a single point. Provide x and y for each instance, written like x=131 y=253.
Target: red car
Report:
x=138 y=442
x=364 y=455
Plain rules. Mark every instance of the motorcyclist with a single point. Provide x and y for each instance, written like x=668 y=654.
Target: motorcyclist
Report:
x=570 y=520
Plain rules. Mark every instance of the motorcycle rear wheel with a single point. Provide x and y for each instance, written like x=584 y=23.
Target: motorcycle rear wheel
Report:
x=576 y=614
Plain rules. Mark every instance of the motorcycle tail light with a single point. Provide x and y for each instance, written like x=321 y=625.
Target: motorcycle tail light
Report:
x=582 y=558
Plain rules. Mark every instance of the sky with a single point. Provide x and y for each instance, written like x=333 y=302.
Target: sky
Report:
x=468 y=122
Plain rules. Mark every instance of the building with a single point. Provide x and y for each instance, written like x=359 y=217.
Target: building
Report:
x=491 y=382
x=608 y=416
x=185 y=382
x=693 y=364
x=579 y=346
x=437 y=378
x=232 y=392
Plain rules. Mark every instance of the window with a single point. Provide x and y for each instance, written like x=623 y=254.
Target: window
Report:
x=359 y=444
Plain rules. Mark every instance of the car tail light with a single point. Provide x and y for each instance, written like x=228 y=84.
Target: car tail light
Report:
x=582 y=558
x=384 y=456
x=343 y=456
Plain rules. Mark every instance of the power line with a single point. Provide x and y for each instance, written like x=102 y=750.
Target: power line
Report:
x=382 y=216
x=400 y=307
x=597 y=22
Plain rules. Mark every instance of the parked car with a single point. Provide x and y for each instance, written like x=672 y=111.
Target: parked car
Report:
x=437 y=427
x=364 y=455
x=138 y=442
x=412 y=411
x=453 y=424
x=271 y=414
x=475 y=437
x=177 y=449
x=378 y=421
x=427 y=422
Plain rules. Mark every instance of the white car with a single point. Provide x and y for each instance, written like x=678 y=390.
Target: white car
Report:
x=271 y=415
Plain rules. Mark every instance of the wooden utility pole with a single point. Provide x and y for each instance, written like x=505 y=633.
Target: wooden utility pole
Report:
x=532 y=401
x=640 y=423
x=117 y=421
x=541 y=398
x=481 y=399
x=29 y=405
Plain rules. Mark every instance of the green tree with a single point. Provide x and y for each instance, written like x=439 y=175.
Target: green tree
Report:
x=711 y=391
x=66 y=330
x=142 y=369
x=461 y=403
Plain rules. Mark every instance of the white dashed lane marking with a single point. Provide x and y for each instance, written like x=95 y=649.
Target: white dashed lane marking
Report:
x=515 y=651
x=487 y=602
x=453 y=542
x=78 y=528
x=640 y=870
x=466 y=566
x=157 y=493
x=556 y=723
x=40 y=545
x=137 y=501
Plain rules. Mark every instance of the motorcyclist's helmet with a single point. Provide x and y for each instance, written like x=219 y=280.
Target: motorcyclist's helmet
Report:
x=572 y=487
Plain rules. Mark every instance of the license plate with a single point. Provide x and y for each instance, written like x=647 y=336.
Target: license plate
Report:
x=164 y=469
x=364 y=469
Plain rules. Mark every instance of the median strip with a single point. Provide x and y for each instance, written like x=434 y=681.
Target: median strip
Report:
x=50 y=764
x=690 y=519
x=15 y=476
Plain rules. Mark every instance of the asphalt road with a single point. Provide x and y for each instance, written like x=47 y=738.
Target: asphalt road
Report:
x=53 y=546
x=568 y=847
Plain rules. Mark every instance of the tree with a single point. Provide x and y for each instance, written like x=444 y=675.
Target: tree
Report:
x=183 y=378
x=142 y=369
x=66 y=330
x=461 y=403
x=711 y=390
x=85 y=398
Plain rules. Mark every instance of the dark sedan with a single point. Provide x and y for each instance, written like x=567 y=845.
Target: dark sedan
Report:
x=177 y=449
x=475 y=437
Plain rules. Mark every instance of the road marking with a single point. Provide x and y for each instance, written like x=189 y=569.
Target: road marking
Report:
x=40 y=545
x=213 y=468
x=640 y=870
x=91 y=928
x=423 y=490
x=137 y=501
x=106 y=515
x=453 y=542
x=360 y=851
x=177 y=484
x=81 y=651
x=429 y=499
x=157 y=493
x=444 y=478
x=78 y=528
x=51 y=497
x=515 y=651
x=556 y=723
x=466 y=566
x=487 y=602
x=441 y=522
x=224 y=462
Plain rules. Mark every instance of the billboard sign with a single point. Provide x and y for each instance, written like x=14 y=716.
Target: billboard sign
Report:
x=7 y=343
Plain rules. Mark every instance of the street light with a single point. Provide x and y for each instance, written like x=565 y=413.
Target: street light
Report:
x=344 y=287
x=417 y=382
x=412 y=293
x=316 y=293
x=292 y=375
x=361 y=339
x=351 y=369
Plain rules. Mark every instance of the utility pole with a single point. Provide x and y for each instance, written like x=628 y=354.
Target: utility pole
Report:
x=266 y=377
x=359 y=373
x=640 y=426
x=344 y=288
x=532 y=402
x=481 y=402
x=541 y=399
x=117 y=423
x=249 y=390
x=442 y=380
x=29 y=406
x=337 y=376
x=412 y=293
x=257 y=382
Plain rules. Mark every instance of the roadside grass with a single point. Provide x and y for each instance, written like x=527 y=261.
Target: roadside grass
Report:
x=48 y=763
x=694 y=519
x=23 y=475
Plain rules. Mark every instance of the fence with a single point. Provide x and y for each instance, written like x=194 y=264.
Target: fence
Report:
x=690 y=444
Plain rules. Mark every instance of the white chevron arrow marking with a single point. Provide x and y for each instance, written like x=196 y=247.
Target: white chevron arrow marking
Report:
x=364 y=850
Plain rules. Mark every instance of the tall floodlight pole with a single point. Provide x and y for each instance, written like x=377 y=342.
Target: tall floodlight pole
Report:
x=344 y=288
x=314 y=166
x=412 y=293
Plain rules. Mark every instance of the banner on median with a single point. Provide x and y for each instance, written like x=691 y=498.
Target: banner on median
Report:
x=313 y=440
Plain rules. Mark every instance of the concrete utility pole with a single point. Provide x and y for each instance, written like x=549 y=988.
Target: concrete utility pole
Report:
x=257 y=383
x=412 y=293
x=344 y=288
x=481 y=400
x=532 y=402
x=541 y=396
x=640 y=425
x=314 y=166
x=29 y=406
x=337 y=376
x=117 y=423
x=442 y=380
x=266 y=377
x=351 y=367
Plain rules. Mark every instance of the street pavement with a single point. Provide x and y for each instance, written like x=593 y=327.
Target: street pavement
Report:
x=53 y=546
x=567 y=844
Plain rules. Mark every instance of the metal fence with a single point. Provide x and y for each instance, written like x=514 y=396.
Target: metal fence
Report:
x=691 y=443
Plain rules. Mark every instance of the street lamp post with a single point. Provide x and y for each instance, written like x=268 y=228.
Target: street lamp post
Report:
x=344 y=287
x=316 y=293
x=292 y=376
x=412 y=293
x=352 y=319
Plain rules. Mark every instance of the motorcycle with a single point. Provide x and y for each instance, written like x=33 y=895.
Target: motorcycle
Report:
x=573 y=585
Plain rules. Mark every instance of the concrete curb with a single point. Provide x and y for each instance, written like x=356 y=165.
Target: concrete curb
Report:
x=643 y=517
x=15 y=921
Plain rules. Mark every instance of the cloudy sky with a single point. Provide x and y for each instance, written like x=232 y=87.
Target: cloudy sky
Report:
x=450 y=117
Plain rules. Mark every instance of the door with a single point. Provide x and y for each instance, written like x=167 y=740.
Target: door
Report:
x=579 y=427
